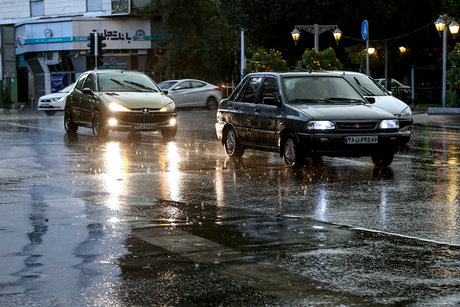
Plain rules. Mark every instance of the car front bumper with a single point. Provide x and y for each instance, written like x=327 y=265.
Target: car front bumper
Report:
x=140 y=122
x=333 y=144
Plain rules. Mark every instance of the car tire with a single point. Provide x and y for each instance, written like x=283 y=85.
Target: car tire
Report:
x=69 y=125
x=382 y=159
x=50 y=113
x=98 y=128
x=232 y=148
x=168 y=133
x=292 y=155
x=211 y=103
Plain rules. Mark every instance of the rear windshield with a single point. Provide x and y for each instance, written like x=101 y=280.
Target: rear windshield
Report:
x=365 y=85
x=126 y=82
x=320 y=89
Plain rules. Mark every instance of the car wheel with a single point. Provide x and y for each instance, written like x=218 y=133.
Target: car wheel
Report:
x=211 y=103
x=168 y=133
x=382 y=159
x=69 y=126
x=50 y=113
x=98 y=128
x=232 y=148
x=292 y=155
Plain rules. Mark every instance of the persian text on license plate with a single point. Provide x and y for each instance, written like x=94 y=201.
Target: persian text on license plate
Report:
x=145 y=126
x=372 y=139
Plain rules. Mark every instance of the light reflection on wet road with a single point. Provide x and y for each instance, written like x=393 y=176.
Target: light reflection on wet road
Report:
x=85 y=209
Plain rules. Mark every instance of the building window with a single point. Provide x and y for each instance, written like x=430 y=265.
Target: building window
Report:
x=37 y=8
x=93 y=5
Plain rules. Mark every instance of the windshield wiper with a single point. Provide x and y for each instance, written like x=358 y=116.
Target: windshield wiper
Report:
x=341 y=99
x=123 y=85
x=140 y=85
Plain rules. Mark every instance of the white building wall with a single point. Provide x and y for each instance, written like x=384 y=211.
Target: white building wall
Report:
x=62 y=7
x=12 y=9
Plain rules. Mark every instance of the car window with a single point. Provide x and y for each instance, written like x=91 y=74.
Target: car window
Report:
x=269 y=89
x=90 y=82
x=126 y=82
x=324 y=89
x=166 y=84
x=196 y=84
x=80 y=82
x=365 y=85
x=250 y=91
x=183 y=85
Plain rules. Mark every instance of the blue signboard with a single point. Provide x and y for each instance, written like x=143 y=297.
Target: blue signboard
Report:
x=364 y=30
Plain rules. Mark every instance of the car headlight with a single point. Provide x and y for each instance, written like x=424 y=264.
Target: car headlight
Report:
x=168 y=108
x=389 y=124
x=117 y=107
x=320 y=125
x=405 y=113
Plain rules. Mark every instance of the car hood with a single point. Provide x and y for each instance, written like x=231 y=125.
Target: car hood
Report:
x=344 y=112
x=135 y=100
x=390 y=104
x=54 y=95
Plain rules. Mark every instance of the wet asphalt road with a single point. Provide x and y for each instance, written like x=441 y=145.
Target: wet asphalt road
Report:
x=134 y=220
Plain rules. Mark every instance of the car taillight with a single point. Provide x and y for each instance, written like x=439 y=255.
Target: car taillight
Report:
x=217 y=89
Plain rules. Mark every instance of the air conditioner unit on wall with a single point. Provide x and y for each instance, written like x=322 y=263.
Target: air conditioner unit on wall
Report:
x=51 y=57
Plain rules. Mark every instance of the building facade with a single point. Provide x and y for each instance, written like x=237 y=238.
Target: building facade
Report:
x=45 y=43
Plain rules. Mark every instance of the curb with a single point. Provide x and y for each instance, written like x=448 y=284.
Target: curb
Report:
x=443 y=110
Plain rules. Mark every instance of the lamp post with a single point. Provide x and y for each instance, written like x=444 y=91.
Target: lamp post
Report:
x=440 y=25
x=316 y=30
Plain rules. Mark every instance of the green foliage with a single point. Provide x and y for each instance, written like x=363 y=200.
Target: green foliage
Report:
x=199 y=42
x=265 y=60
x=453 y=76
x=323 y=60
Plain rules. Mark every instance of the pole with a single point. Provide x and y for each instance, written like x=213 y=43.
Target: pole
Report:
x=386 y=65
x=444 y=65
x=243 y=60
x=316 y=35
x=367 y=57
x=412 y=82
x=95 y=50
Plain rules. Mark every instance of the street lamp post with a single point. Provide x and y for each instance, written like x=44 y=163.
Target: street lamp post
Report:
x=316 y=30
x=440 y=25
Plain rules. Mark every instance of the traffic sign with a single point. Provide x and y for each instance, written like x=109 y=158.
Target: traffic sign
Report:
x=364 y=29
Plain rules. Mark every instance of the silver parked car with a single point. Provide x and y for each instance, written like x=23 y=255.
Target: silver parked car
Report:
x=192 y=93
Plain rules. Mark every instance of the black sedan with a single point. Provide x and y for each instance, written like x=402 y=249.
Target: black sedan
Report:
x=106 y=100
x=304 y=115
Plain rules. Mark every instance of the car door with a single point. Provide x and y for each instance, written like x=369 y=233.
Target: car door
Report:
x=198 y=93
x=266 y=114
x=75 y=98
x=244 y=105
x=180 y=94
x=88 y=101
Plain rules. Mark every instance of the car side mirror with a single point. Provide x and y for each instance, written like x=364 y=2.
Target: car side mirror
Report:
x=271 y=101
x=87 y=91
x=165 y=92
x=370 y=99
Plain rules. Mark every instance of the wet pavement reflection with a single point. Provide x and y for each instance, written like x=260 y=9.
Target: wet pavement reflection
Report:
x=136 y=220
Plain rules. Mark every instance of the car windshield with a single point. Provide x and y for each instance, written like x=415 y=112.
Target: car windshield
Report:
x=166 y=84
x=365 y=85
x=319 y=90
x=126 y=82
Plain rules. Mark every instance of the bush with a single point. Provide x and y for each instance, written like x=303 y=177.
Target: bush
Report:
x=265 y=60
x=453 y=76
x=323 y=60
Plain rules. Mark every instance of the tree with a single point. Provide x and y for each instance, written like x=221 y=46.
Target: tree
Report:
x=199 y=42
x=265 y=60
x=323 y=60
x=453 y=75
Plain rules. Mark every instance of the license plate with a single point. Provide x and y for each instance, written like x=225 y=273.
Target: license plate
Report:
x=373 y=139
x=144 y=126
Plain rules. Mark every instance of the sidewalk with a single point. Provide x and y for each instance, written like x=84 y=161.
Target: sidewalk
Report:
x=446 y=120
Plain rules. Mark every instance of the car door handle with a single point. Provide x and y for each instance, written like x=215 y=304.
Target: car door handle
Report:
x=257 y=110
x=236 y=107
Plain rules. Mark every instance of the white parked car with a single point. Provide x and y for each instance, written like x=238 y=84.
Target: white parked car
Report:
x=382 y=98
x=192 y=93
x=53 y=102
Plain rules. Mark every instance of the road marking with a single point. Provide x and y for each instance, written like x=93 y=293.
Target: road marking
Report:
x=266 y=277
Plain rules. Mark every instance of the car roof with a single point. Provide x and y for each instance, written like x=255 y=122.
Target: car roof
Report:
x=297 y=73
x=116 y=71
